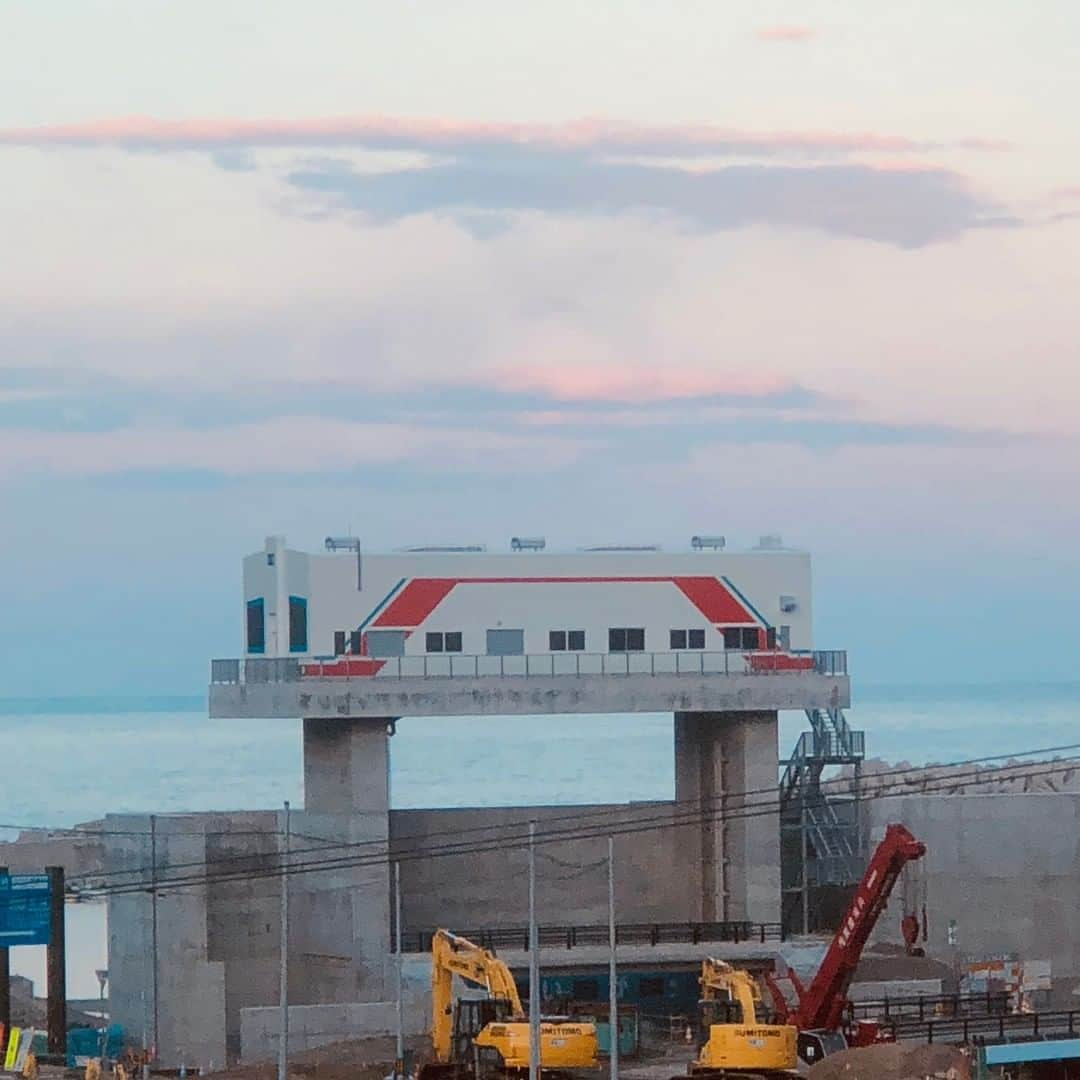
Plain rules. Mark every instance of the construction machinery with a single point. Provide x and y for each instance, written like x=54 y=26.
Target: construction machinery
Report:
x=739 y=1041
x=472 y=1039
x=819 y=1009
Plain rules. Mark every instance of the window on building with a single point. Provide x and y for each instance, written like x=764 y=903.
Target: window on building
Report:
x=256 y=626
x=437 y=641
x=505 y=642
x=339 y=642
x=297 y=624
x=785 y=637
x=651 y=986
x=382 y=644
x=688 y=639
x=561 y=640
x=770 y=638
x=586 y=990
x=269 y=558
x=678 y=639
x=356 y=643
x=626 y=639
x=741 y=637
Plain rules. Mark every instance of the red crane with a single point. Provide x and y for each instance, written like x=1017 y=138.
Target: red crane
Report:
x=821 y=1005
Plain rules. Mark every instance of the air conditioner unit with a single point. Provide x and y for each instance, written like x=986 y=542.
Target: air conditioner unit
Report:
x=788 y=604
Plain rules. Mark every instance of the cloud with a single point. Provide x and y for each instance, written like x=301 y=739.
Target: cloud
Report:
x=454 y=136
x=624 y=385
x=285 y=446
x=908 y=208
x=786 y=33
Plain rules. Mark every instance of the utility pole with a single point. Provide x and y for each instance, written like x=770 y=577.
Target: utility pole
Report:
x=613 y=983
x=283 y=984
x=153 y=937
x=5 y=971
x=56 y=964
x=534 y=964
x=399 y=1059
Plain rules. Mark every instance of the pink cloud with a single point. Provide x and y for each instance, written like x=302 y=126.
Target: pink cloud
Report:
x=628 y=385
x=788 y=33
x=451 y=135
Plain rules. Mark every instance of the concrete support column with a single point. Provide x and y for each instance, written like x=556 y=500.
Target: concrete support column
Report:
x=347 y=766
x=726 y=780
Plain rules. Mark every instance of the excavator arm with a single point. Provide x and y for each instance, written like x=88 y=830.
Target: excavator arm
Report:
x=452 y=955
x=720 y=977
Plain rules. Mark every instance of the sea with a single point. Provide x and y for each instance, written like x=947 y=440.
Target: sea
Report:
x=72 y=760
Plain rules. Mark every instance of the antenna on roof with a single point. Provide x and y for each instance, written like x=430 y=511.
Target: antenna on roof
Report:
x=349 y=543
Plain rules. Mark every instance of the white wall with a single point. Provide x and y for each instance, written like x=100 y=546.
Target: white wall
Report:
x=329 y=581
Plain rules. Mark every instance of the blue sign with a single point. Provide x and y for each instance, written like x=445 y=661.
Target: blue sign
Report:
x=24 y=909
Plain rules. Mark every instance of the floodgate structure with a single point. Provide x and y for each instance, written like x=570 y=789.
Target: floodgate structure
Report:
x=352 y=644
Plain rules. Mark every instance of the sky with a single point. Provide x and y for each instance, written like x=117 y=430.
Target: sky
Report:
x=621 y=271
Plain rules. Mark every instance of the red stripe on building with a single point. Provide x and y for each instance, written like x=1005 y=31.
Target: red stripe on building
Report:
x=416 y=602
x=422 y=596
x=714 y=601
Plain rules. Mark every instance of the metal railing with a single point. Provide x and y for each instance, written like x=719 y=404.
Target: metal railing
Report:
x=442 y=666
x=571 y=937
x=934 y=1007
x=984 y=1029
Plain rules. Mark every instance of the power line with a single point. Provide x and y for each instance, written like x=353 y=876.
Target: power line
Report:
x=578 y=816
x=655 y=823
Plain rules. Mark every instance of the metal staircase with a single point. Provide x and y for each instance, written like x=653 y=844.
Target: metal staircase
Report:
x=821 y=844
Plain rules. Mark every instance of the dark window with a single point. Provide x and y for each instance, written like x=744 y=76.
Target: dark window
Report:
x=297 y=624
x=434 y=642
x=651 y=986
x=616 y=640
x=586 y=990
x=626 y=639
x=678 y=639
x=635 y=639
x=256 y=626
x=339 y=642
x=695 y=639
x=453 y=641
x=269 y=558
x=770 y=638
x=356 y=646
x=560 y=640
x=741 y=637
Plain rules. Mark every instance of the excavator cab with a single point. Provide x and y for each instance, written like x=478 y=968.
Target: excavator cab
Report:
x=814 y=1045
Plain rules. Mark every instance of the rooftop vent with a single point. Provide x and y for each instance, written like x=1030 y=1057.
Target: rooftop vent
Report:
x=443 y=549
x=699 y=543
x=622 y=547
x=343 y=543
x=527 y=543
x=771 y=542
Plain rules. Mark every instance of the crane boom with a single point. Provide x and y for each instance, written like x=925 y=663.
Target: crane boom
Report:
x=821 y=1004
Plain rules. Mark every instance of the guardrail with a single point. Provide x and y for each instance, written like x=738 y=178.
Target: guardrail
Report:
x=443 y=666
x=571 y=937
x=933 y=1007
x=984 y=1029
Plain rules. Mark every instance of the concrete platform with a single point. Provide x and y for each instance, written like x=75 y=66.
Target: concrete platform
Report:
x=530 y=695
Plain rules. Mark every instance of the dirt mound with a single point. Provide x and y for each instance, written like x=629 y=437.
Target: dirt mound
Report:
x=893 y=1061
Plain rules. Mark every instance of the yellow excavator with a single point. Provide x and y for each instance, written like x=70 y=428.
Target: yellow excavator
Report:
x=472 y=1039
x=739 y=1042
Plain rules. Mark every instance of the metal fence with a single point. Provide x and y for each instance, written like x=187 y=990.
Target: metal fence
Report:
x=987 y=1029
x=571 y=937
x=442 y=666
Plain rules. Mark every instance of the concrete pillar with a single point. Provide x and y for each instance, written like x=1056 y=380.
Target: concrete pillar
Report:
x=341 y=916
x=726 y=780
x=346 y=766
